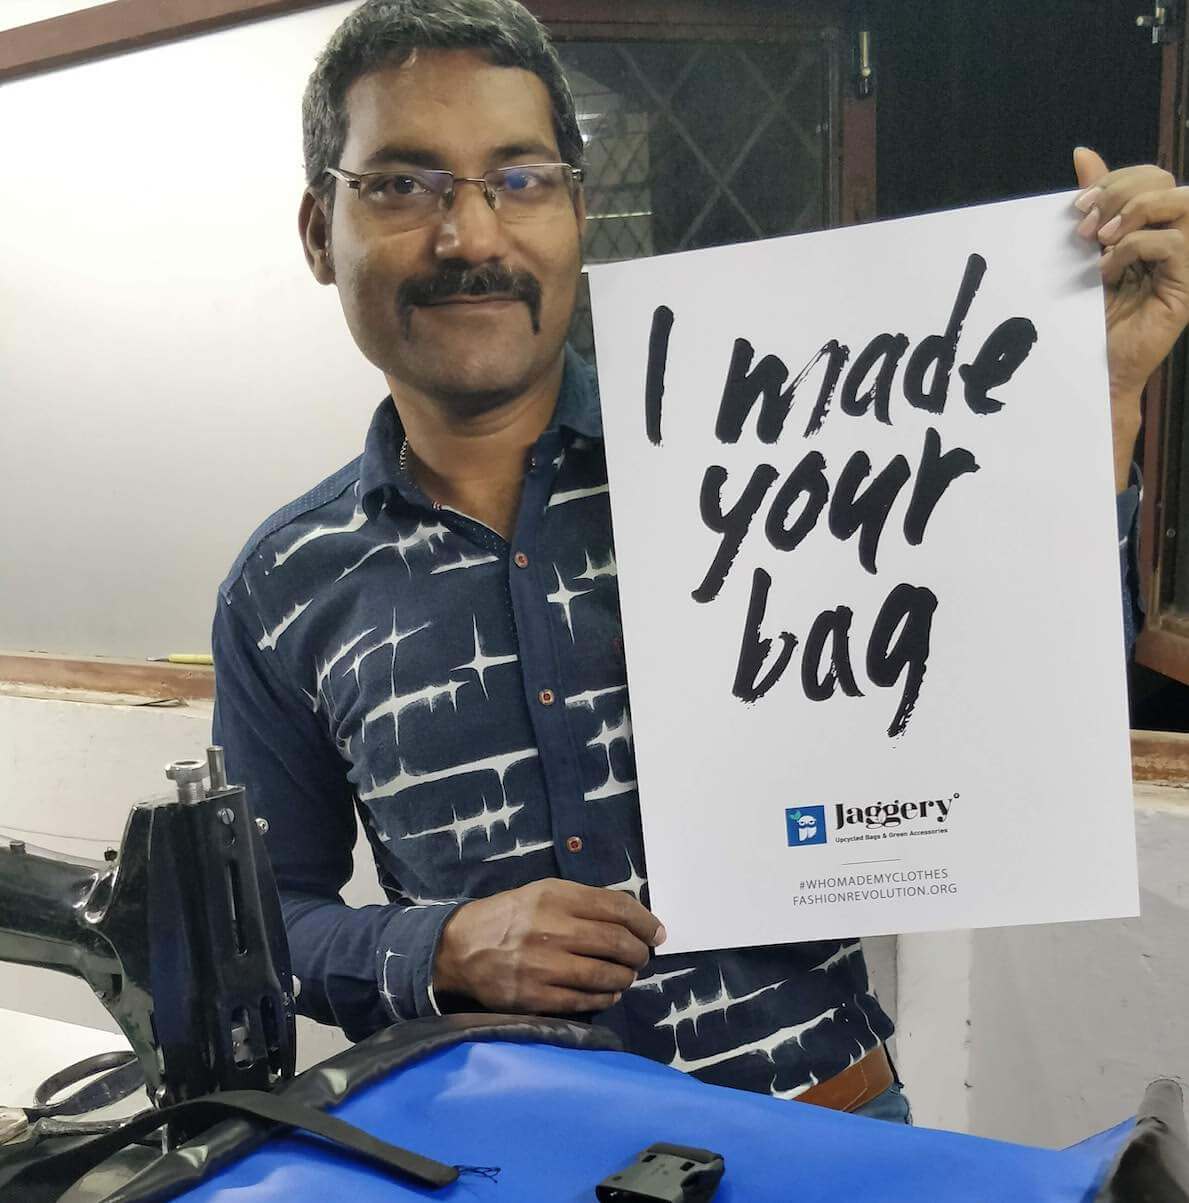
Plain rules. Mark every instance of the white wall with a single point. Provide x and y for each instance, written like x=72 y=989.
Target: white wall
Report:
x=169 y=370
x=25 y=12
x=1045 y=1034
x=69 y=772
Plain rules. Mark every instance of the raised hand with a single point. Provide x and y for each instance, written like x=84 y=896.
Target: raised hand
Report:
x=1141 y=218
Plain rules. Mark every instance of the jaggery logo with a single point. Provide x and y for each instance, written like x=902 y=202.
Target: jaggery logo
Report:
x=806 y=825
x=894 y=814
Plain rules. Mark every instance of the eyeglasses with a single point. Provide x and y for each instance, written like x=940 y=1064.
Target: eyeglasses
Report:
x=414 y=195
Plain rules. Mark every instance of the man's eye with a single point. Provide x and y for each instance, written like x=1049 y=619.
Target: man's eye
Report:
x=393 y=187
x=520 y=180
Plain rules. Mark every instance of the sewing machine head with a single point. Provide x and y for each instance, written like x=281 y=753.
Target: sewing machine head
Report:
x=179 y=933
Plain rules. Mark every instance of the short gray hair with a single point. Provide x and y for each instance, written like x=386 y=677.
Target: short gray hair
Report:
x=386 y=33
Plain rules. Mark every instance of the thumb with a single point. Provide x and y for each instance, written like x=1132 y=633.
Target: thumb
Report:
x=1089 y=166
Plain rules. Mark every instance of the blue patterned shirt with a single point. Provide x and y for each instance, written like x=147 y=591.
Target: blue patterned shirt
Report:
x=468 y=696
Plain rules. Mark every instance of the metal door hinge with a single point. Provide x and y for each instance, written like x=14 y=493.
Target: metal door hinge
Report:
x=864 y=65
x=1163 y=24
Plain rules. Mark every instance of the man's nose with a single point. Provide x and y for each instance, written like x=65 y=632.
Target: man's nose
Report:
x=469 y=228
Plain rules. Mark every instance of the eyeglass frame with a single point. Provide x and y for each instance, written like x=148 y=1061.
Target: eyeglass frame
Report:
x=354 y=180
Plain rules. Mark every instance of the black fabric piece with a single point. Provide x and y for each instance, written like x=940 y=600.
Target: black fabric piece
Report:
x=125 y=1077
x=73 y=1163
x=1153 y=1164
x=325 y=1086
x=17 y=1160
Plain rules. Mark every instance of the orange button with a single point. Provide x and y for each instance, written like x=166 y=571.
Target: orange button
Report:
x=574 y=844
x=520 y=560
x=546 y=697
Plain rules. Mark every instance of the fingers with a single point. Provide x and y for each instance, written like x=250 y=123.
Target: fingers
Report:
x=614 y=906
x=1089 y=166
x=554 y=1000
x=608 y=942
x=1164 y=208
x=1145 y=246
x=1103 y=201
x=588 y=975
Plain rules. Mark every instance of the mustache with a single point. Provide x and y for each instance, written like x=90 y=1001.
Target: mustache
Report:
x=456 y=279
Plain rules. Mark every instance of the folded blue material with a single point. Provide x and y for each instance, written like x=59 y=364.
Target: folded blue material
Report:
x=556 y=1121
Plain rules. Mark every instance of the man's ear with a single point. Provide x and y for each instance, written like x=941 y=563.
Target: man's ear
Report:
x=313 y=224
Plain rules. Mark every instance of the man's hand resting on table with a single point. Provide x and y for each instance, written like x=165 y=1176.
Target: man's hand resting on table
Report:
x=551 y=947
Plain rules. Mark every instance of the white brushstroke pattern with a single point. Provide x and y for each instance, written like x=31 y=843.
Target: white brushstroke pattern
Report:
x=594 y=571
x=592 y=695
x=423 y=536
x=463 y=563
x=633 y=883
x=356 y=520
x=719 y=1004
x=766 y=1046
x=385 y=993
x=393 y=639
x=481 y=663
x=485 y=821
x=844 y=953
x=612 y=787
x=607 y=734
x=270 y=638
x=406 y=779
x=576 y=495
x=656 y=981
x=324 y=670
x=521 y=849
x=565 y=597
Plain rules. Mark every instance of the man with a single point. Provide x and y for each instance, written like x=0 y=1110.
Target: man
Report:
x=432 y=633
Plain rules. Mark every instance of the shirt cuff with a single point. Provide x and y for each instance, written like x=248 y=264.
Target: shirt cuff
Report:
x=405 y=958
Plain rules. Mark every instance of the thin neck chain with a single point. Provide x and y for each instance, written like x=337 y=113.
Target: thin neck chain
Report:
x=403 y=460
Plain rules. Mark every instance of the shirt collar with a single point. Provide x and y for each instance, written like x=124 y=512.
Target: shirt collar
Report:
x=380 y=476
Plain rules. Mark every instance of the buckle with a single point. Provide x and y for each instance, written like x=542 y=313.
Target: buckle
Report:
x=665 y=1173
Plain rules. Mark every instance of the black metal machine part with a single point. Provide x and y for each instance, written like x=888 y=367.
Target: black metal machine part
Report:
x=180 y=935
x=1153 y=1164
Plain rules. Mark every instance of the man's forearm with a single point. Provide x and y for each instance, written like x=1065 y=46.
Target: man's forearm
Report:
x=362 y=968
x=1125 y=423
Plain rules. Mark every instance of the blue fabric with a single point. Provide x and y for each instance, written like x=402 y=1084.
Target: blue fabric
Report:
x=372 y=648
x=557 y=1121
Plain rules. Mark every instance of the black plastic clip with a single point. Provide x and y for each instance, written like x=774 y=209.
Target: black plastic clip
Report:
x=665 y=1173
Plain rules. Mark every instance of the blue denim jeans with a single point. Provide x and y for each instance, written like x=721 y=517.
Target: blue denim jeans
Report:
x=892 y=1105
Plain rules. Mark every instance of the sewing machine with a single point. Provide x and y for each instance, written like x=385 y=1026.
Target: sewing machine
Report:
x=178 y=932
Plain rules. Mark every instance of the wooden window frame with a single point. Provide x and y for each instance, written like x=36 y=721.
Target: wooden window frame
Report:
x=1163 y=645
x=126 y=25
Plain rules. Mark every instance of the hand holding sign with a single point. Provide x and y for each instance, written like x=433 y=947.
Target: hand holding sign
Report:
x=1142 y=219
x=551 y=947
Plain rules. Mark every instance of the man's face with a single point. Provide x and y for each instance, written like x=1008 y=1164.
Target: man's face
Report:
x=452 y=110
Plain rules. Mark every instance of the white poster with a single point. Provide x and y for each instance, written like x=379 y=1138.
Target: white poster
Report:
x=863 y=501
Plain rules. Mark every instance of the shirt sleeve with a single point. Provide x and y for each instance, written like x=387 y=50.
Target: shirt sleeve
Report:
x=1127 y=506
x=361 y=968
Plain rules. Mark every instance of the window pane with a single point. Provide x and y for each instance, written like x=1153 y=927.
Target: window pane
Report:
x=672 y=166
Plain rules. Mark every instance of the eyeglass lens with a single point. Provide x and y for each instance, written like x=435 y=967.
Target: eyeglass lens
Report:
x=518 y=192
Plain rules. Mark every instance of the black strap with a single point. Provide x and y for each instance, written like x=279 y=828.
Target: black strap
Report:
x=73 y=1163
